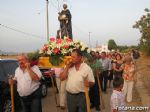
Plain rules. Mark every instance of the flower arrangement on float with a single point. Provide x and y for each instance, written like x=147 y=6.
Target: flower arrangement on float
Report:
x=58 y=49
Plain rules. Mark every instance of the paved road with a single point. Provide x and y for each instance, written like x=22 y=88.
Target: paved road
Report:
x=49 y=104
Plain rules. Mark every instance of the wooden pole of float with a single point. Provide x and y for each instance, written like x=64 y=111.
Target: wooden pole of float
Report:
x=11 y=92
x=87 y=97
x=100 y=91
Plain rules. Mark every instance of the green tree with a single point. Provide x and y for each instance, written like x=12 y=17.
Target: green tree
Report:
x=112 y=44
x=122 y=48
x=144 y=27
x=33 y=55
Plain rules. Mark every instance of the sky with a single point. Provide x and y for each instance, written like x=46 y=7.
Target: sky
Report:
x=105 y=19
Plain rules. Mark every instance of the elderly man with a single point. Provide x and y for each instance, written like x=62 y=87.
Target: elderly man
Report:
x=78 y=75
x=28 y=85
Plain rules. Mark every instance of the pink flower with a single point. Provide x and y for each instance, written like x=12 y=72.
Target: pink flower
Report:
x=58 y=41
x=65 y=46
x=68 y=39
x=55 y=50
x=45 y=47
x=52 y=39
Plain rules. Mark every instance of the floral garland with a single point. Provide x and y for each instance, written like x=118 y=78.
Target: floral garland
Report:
x=56 y=49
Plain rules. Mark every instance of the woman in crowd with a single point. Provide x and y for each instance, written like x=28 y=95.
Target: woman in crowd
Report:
x=117 y=69
x=128 y=75
x=110 y=76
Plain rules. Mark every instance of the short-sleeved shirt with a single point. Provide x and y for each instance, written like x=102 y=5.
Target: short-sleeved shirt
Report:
x=117 y=100
x=57 y=71
x=25 y=85
x=97 y=65
x=75 y=80
x=106 y=63
x=128 y=72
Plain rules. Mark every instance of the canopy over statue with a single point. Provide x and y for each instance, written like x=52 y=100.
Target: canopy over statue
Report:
x=65 y=22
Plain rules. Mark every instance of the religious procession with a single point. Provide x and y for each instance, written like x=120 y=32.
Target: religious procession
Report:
x=66 y=75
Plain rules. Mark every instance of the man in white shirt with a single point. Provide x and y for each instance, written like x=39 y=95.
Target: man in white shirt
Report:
x=106 y=64
x=28 y=85
x=78 y=75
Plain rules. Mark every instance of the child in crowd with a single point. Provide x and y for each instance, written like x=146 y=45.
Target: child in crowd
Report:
x=117 y=98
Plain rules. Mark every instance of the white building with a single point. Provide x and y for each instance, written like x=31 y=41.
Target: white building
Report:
x=101 y=48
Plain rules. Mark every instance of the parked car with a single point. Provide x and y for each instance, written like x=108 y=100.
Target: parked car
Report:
x=8 y=67
x=48 y=78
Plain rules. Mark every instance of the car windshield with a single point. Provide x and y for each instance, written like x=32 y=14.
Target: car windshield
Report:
x=7 y=68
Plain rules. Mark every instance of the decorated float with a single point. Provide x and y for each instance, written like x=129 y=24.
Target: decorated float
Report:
x=56 y=52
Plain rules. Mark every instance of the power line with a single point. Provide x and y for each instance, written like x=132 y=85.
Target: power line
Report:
x=19 y=31
x=75 y=26
x=57 y=8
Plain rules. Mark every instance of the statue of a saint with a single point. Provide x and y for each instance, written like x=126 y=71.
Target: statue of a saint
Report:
x=65 y=22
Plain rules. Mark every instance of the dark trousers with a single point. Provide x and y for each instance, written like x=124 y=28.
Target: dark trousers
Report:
x=32 y=103
x=94 y=94
x=76 y=102
x=103 y=80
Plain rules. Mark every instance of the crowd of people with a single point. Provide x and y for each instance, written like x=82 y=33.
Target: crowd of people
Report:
x=98 y=73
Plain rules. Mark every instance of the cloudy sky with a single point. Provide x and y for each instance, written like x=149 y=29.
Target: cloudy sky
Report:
x=23 y=22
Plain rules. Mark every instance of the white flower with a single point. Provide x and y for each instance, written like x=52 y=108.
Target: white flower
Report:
x=70 y=50
x=81 y=43
x=76 y=41
x=49 y=52
x=77 y=46
x=41 y=51
x=83 y=48
x=65 y=37
x=63 y=51
x=58 y=46
x=88 y=50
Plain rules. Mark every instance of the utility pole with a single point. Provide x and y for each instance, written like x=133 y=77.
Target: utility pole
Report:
x=90 y=40
x=47 y=21
x=96 y=43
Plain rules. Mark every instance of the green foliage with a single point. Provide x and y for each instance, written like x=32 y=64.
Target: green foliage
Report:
x=144 y=27
x=145 y=47
x=33 y=55
x=112 y=45
x=125 y=48
x=122 y=48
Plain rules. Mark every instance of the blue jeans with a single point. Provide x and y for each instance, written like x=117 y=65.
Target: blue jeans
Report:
x=76 y=102
x=32 y=103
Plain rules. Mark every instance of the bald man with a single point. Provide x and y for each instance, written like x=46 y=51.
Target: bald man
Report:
x=28 y=85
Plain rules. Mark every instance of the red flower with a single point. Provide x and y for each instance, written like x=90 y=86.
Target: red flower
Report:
x=65 y=46
x=55 y=50
x=68 y=39
x=58 y=41
x=52 y=39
